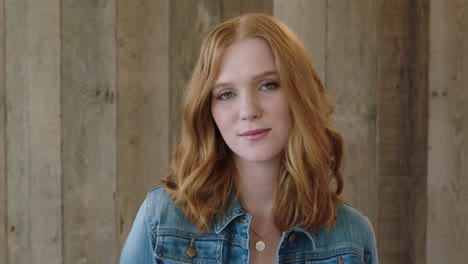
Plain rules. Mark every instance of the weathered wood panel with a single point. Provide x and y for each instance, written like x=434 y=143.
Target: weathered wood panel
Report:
x=89 y=131
x=308 y=20
x=143 y=109
x=18 y=154
x=232 y=8
x=3 y=188
x=33 y=131
x=403 y=53
x=447 y=227
x=419 y=112
x=351 y=82
x=187 y=32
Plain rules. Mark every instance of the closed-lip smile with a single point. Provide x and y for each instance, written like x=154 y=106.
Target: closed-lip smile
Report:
x=256 y=134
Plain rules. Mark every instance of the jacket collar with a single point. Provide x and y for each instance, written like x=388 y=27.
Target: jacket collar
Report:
x=237 y=210
x=221 y=222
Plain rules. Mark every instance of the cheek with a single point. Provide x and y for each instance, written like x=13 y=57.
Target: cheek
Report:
x=221 y=118
x=283 y=111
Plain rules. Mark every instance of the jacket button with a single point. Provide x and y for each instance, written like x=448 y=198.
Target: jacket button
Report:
x=191 y=252
x=292 y=237
x=242 y=220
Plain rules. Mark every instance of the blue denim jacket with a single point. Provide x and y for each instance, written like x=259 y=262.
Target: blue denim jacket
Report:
x=162 y=234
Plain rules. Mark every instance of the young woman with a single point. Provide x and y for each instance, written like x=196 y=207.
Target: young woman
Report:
x=251 y=178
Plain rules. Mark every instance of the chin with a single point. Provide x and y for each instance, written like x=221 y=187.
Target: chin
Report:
x=259 y=157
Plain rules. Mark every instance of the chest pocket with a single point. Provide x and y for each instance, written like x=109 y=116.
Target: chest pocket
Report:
x=340 y=259
x=174 y=246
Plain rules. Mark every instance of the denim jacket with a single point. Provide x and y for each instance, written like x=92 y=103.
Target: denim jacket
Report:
x=162 y=234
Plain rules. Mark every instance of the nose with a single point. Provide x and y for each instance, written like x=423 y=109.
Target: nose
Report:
x=250 y=108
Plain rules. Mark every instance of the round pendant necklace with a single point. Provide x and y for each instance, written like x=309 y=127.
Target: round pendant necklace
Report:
x=260 y=244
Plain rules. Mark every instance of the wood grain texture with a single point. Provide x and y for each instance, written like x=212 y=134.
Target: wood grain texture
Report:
x=447 y=227
x=89 y=131
x=351 y=83
x=33 y=131
x=143 y=109
x=186 y=35
x=403 y=53
x=18 y=154
x=308 y=20
x=3 y=188
x=232 y=8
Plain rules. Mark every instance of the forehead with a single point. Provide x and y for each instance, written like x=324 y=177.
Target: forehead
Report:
x=249 y=56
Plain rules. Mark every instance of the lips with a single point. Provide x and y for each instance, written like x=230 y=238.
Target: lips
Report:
x=256 y=134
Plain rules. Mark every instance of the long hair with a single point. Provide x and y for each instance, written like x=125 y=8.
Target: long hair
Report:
x=202 y=174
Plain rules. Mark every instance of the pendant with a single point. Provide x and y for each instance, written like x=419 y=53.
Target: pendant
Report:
x=260 y=245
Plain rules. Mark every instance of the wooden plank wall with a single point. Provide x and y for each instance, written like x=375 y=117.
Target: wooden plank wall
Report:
x=308 y=19
x=402 y=130
x=143 y=112
x=232 y=8
x=89 y=114
x=33 y=140
x=186 y=35
x=3 y=189
x=447 y=226
x=351 y=73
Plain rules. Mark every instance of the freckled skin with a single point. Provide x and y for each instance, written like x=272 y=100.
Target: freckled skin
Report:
x=247 y=96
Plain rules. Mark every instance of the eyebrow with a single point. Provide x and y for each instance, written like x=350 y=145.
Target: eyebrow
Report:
x=256 y=77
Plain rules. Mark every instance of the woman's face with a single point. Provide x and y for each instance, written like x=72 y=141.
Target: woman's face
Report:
x=248 y=104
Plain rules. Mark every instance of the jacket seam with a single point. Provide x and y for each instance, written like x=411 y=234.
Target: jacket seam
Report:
x=322 y=255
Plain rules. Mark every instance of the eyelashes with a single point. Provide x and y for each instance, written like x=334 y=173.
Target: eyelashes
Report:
x=270 y=85
x=266 y=86
x=225 y=96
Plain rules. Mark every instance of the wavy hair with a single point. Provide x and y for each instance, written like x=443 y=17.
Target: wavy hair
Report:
x=202 y=174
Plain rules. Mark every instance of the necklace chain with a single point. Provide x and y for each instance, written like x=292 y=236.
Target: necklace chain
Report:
x=260 y=244
x=262 y=237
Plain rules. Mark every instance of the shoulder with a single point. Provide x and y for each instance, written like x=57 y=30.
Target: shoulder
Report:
x=157 y=198
x=352 y=229
x=161 y=211
x=351 y=220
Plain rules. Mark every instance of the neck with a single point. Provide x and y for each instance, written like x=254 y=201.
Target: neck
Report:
x=256 y=187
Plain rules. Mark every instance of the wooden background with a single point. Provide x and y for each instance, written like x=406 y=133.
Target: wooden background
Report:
x=89 y=97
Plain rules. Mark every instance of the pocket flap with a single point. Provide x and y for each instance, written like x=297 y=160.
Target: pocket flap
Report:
x=183 y=247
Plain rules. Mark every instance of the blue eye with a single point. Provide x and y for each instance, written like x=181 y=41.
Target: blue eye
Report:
x=225 y=95
x=270 y=86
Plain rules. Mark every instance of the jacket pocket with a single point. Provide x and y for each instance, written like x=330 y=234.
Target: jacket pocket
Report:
x=173 y=246
x=350 y=258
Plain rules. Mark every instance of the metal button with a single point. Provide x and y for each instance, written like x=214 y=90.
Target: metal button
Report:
x=190 y=250
x=292 y=237
x=243 y=220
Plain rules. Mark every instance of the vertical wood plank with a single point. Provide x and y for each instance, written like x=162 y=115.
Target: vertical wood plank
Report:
x=143 y=109
x=351 y=82
x=419 y=70
x=402 y=86
x=89 y=131
x=308 y=20
x=33 y=131
x=190 y=22
x=3 y=189
x=447 y=227
x=18 y=154
x=232 y=8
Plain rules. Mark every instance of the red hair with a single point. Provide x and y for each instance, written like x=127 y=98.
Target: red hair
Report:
x=202 y=175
